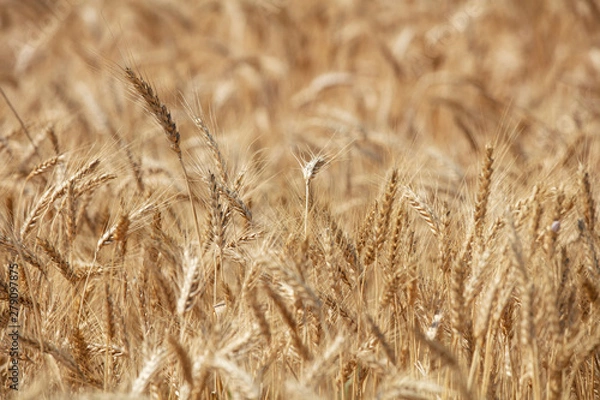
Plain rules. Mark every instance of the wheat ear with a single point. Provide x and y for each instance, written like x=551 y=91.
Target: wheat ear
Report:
x=383 y=219
x=214 y=148
x=589 y=208
x=148 y=371
x=45 y=166
x=163 y=117
x=52 y=194
x=424 y=211
x=483 y=195
x=309 y=171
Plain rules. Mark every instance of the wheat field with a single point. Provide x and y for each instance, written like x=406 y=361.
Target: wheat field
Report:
x=271 y=199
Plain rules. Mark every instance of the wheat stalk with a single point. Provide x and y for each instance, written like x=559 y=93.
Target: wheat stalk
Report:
x=309 y=170
x=163 y=116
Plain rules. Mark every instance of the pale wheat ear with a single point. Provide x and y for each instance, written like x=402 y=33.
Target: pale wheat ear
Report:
x=310 y=169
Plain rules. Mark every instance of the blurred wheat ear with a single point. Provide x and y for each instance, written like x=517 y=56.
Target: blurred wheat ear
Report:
x=309 y=171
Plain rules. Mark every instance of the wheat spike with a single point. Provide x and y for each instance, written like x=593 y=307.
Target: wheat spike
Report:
x=156 y=108
x=45 y=166
x=214 y=148
x=589 y=205
x=485 y=179
x=309 y=170
x=148 y=371
x=52 y=194
x=424 y=211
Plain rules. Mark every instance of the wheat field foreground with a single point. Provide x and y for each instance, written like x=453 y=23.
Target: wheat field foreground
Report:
x=270 y=199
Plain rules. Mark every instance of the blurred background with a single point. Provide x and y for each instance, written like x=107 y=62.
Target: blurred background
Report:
x=371 y=83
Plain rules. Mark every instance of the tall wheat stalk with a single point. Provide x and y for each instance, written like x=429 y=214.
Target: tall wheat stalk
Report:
x=309 y=171
x=163 y=116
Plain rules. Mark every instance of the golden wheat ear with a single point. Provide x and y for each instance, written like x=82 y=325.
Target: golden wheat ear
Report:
x=163 y=116
x=310 y=169
x=160 y=111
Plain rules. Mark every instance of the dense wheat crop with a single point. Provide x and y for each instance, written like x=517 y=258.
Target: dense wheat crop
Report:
x=262 y=199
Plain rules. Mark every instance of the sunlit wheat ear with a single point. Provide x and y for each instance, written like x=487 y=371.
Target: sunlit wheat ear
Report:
x=156 y=108
x=213 y=146
x=52 y=194
x=309 y=171
x=150 y=367
x=424 y=211
x=163 y=116
x=45 y=166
